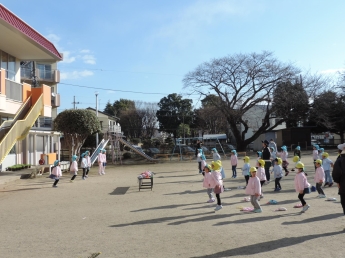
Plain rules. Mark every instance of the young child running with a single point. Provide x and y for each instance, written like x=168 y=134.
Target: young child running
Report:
x=254 y=190
x=216 y=157
x=233 y=160
x=83 y=164
x=301 y=183
x=327 y=164
x=73 y=168
x=277 y=174
x=56 y=172
x=88 y=161
x=284 y=156
x=207 y=183
x=261 y=174
x=217 y=182
x=319 y=178
x=245 y=169
x=104 y=161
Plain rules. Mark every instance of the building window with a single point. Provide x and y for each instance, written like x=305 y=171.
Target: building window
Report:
x=44 y=71
x=8 y=63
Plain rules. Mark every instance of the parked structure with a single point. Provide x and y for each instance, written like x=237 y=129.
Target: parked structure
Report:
x=28 y=93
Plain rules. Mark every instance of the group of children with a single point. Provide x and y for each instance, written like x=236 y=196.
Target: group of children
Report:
x=255 y=177
x=85 y=164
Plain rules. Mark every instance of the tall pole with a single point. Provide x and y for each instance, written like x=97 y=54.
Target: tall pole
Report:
x=96 y=93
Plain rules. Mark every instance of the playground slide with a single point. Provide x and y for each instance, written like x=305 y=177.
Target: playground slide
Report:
x=136 y=150
x=101 y=145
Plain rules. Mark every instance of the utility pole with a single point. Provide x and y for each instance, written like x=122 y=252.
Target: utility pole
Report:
x=96 y=93
x=74 y=103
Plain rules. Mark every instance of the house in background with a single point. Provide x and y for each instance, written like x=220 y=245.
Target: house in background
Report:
x=28 y=93
x=109 y=123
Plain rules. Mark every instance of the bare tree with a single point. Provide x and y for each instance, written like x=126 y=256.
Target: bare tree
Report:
x=147 y=113
x=242 y=82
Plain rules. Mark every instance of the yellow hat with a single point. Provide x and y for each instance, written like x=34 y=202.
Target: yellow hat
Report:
x=279 y=161
x=246 y=159
x=318 y=161
x=325 y=154
x=261 y=162
x=216 y=165
x=295 y=159
x=299 y=165
x=252 y=169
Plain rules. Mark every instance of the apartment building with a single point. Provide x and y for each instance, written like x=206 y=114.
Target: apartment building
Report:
x=28 y=93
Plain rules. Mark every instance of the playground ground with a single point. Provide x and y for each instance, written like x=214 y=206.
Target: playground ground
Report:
x=108 y=214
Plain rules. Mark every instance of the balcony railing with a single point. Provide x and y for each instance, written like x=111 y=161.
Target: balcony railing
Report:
x=14 y=90
x=113 y=129
x=43 y=123
x=42 y=75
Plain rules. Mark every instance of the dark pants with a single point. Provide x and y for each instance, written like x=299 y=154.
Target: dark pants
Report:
x=199 y=166
x=267 y=170
x=277 y=183
x=56 y=181
x=73 y=177
x=342 y=201
x=319 y=189
x=87 y=170
x=300 y=197
x=84 y=172
x=218 y=199
x=234 y=173
x=247 y=179
x=262 y=183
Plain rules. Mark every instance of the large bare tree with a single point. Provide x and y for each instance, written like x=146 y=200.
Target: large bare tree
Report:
x=147 y=112
x=242 y=82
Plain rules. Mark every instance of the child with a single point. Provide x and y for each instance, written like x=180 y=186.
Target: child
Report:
x=216 y=157
x=297 y=151
x=234 y=160
x=284 y=155
x=217 y=182
x=207 y=183
x=300 y=184
x=100 y=162
x=73 y=168
x=261 y=174
x=199 y=159
x=277 y=174
x=104 y=161
x=273 y=154
x=88 y=161
x=83 y=164
x=295 y=159
x=245 y=169
x=56 y=172
x=315 y=153
x=254 y=190
x=327 y=164
x=321 y=151
x=319 y=178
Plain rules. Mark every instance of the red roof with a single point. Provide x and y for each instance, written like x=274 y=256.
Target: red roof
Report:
x=20 y=25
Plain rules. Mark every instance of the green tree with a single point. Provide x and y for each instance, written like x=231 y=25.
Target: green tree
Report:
x=76 y=125
x=109 y=109
x=173 y=110
x=183 y=130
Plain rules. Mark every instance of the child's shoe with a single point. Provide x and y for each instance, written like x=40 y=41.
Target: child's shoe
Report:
x=286 y=173
x=322 y=196
x=71 y=181
x=326 y=184
x=218 y=207
x=305 y=207
x=103 y=173
x=84 y=178
x=211 y=200
x=54 y=185
x=330 y=184
x=258 y=211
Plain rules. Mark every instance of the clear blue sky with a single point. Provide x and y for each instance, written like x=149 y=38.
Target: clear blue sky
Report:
x=149 y=45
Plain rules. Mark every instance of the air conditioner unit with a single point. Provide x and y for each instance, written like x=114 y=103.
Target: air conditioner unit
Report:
x=55 y=100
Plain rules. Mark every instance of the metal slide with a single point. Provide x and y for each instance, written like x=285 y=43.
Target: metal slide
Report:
x=101 y=145
x=136 y=150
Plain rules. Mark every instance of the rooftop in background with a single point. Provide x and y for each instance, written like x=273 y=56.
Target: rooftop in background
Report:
x=17 y=36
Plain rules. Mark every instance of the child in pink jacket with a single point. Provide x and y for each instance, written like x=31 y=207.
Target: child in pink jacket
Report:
x=301 y=183
x=56 y=172
x=254 y=190
x=207 y=183
x=319 y=178
x=217 y=182
x=74 y=168
x=100 y=158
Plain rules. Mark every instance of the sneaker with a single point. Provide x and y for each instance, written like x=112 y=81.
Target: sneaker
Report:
x=218 y=207
x=305 y=207
x=71 y=181
x=322 y=196
x=227 y=189
x=330 y=184
x=210 y=200
x=103 y=173
x=258 y=211
x=276 y=189
x=54 y=185
x=84 y=178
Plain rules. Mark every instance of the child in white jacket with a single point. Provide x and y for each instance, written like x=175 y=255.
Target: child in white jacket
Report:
x=254 y=190
x=83 y=165
x=74 y=168
x=277 y=174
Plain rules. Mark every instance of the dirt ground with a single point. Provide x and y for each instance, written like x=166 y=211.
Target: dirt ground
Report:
x=173 y=220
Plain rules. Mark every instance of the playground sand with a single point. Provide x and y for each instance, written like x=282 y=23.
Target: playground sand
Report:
x=173 y=220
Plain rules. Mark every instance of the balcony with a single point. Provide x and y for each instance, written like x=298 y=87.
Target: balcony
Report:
x=43 y=124
x=42 y=75
x=14 y=90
